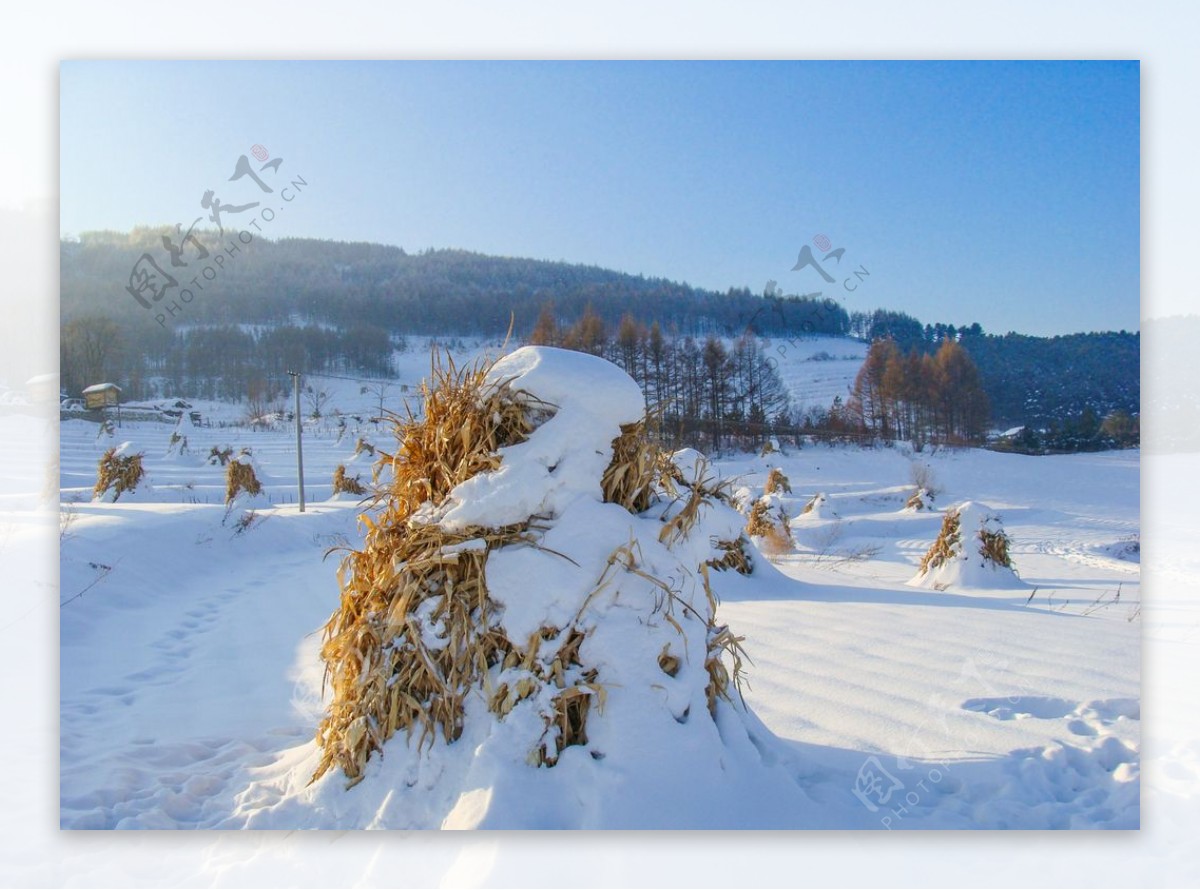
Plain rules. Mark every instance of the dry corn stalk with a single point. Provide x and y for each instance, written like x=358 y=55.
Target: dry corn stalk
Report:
x=733 y=556
x=220 y=456
x=239 y=477
x=993 y=542
x=721 y=642
x=636 y=466
x=347 y=484
x=759 y=522
x=667 y=662
x=416 y=630
x=777 y=481
x=771 y=526
x=386 y=674
x=118 y=472
x=692 y=494
x=917 y=502
x=947 y=543
x=812 y=504
x=993 y=546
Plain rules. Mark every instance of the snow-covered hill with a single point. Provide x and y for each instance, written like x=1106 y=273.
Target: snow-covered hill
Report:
x=815 y=370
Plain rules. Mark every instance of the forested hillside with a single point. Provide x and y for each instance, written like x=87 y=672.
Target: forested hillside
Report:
x=1040 y=380
x=239 y=312
x=1029 y=380
x=437 y=292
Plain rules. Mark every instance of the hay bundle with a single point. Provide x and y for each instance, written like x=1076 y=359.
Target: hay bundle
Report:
x=219 y=456
x=118 y=473
x=922 y=499
x=428 y=623
x=347 y=484
x=769 y=522
x=636 y=468
x=993 y=545
x=383 y=673
x=947 y=545
x=759 y=522
x=971 y=549
x=240 y=477
x=777 y=482
x=733 y=556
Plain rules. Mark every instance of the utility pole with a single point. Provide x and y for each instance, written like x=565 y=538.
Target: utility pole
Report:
x=295 y=375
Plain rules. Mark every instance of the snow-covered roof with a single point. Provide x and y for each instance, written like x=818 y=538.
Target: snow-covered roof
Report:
x=101 y=387
x=41 y=378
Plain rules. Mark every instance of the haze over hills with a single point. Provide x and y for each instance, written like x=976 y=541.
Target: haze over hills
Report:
x=344 y=304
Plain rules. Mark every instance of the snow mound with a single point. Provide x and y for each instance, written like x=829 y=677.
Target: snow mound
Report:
x=817 y=508
x=692 y=464
x=566 y=458
x=1128 y=549
x=183 y=444
x=612 y=699
x=971 y=551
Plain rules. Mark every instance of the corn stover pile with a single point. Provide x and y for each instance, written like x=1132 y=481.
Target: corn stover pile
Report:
x=529 y=636
x=971 y=551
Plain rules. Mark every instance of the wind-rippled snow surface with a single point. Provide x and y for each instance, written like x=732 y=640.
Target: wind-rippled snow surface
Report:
x=191 y=682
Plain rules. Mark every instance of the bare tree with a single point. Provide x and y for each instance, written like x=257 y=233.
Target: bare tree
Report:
x=379 y=389
x=316 y=399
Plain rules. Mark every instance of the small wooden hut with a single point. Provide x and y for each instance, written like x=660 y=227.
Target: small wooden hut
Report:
x=102 y=395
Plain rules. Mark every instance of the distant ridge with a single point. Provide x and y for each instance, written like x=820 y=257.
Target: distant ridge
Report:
x=450 y=293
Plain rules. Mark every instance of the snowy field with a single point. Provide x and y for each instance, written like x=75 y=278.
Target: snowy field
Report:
x=815 y=370
x=191 y=683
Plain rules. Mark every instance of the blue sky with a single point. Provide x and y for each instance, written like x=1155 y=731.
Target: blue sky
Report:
x=1000 y=192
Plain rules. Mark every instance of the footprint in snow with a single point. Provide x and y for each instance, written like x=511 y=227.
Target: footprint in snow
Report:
x=1019 y=707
